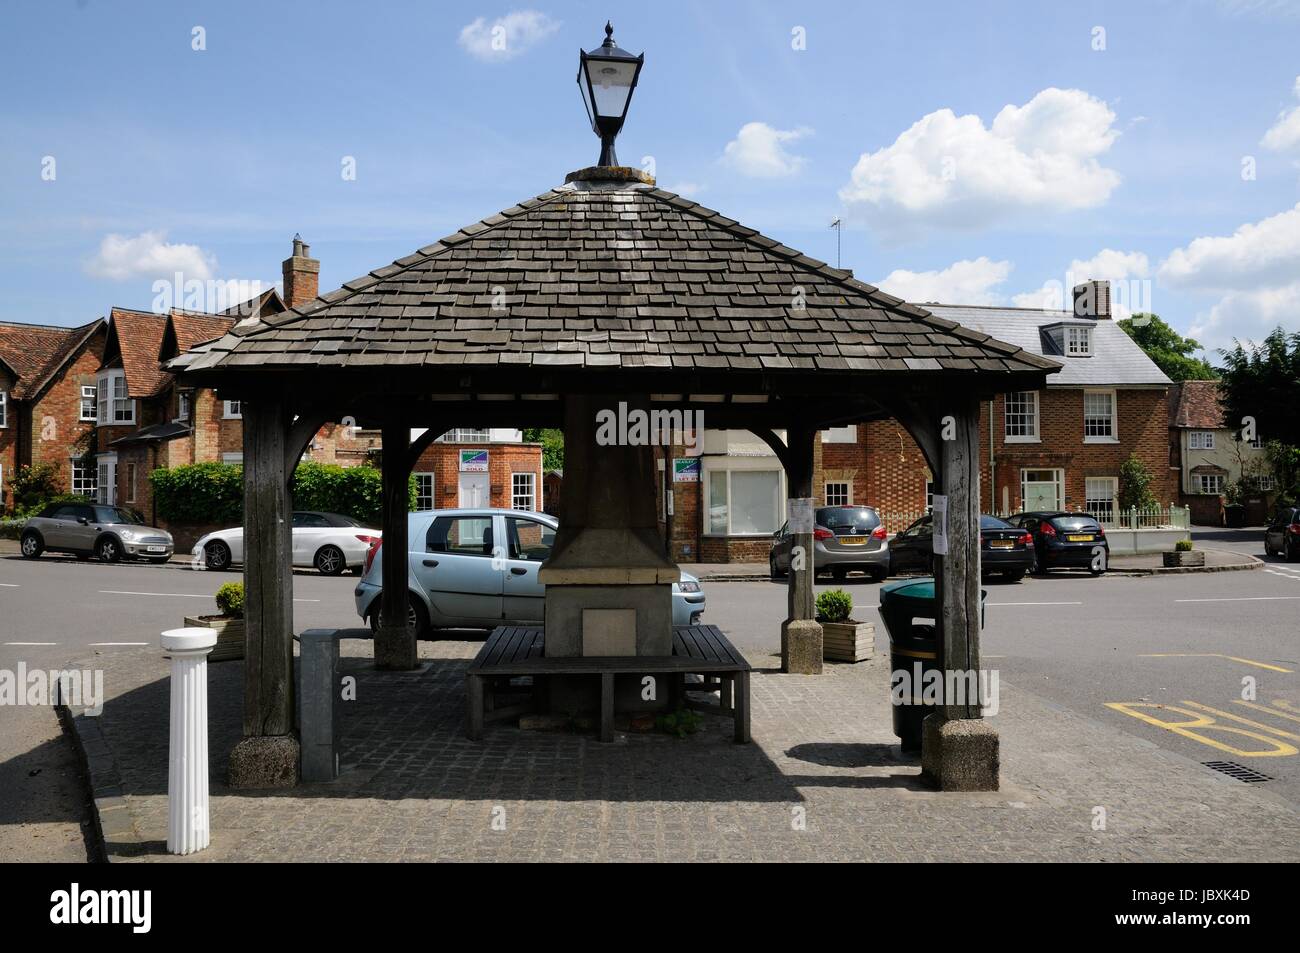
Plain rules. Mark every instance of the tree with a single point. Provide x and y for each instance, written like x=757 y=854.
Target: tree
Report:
x=1135 y=485
x=552 y=442
x=1261 y=386
x=1168 y=350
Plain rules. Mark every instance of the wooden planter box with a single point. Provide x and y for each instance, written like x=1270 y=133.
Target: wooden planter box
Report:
x=1191 y=558
x=230 y=635
x=848 y=641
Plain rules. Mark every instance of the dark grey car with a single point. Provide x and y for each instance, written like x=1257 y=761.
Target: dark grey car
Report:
x=845 y=538
x=108 y=533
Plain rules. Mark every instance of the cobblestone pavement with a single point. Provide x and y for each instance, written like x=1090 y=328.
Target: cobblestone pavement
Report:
x=823 y=780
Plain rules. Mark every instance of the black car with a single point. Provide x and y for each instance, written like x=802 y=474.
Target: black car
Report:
x=1282 y=537
x=1005 y=550
x=1065 y=540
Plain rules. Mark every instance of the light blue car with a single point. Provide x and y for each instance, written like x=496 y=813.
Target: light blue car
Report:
x=459 y=576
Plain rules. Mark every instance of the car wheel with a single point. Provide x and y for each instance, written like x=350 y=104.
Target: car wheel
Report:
x=1268 y=549
x=417 y=617
x=32 y=545
x=329 y=561
x=216 y=555
x=1292 y=553
x=108 y=550
x=1015 y=575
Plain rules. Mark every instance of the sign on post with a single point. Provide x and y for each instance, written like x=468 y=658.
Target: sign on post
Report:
x=939 y=516
x=686 y=469
x=800 y=514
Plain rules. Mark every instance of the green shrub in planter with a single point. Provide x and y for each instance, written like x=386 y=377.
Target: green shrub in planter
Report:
x=834 y=605
x=1183 y=546
x=230 y=600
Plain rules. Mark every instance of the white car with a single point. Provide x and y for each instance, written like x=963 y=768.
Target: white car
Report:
x=327 y=542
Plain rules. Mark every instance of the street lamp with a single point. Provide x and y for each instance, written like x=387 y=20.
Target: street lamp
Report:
x=607 y=75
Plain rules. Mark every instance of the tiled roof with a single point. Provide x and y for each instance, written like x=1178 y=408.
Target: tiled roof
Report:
x=34 y=352
x=1198 y=406
x=134 y=338
x=611 y=276
x=193 y=327
x=1116 y=361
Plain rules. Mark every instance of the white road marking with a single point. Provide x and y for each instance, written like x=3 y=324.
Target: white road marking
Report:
x=31 y=643
x=1240 y=599
x=1033 y=603
x=9 y=585
x=178 y=595
x=119 y=643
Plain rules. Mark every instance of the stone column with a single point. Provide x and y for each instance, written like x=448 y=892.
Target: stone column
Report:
x=960 y=751
x=801 y=635
x=187 y=753
x=395 y=647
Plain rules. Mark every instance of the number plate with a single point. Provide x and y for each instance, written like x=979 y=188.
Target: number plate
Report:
x=1001 y=544
x=851 y=540
x=156 y=549
x=1079 y=539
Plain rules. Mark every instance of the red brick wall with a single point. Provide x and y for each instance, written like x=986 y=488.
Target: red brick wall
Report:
x=8 y=440
x=443 y=461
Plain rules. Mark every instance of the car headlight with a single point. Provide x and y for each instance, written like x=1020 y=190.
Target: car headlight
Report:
x=689 y=586
x=129 y=535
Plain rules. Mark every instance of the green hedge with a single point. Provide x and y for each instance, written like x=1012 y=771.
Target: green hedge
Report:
x=214 y=492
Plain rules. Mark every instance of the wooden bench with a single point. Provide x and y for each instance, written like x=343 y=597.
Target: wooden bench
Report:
x=515 y=651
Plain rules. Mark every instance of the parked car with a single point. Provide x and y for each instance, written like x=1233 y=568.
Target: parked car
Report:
x=327 y=542
x=1282 y=536
x=458 y=577
x=1065 y=540
x=108 y=533
x=1005 y=550
x=844 y=538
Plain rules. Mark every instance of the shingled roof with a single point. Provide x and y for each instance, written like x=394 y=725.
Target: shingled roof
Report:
x=611 y=276
x=1195 y=405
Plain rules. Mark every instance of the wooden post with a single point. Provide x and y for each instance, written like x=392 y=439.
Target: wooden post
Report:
x=395 y=645
x=958 y=573
x=801 y=636
x=268 y=755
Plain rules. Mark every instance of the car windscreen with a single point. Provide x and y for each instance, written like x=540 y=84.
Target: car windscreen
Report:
x=116 y=514
x=992 y=522
x=842 y=517
x=1070 y=523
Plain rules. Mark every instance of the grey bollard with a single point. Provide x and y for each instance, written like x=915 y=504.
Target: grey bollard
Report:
x=318 y=701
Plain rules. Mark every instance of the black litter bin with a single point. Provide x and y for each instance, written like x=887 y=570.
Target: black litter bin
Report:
x=1234 y=516
x=913 y=650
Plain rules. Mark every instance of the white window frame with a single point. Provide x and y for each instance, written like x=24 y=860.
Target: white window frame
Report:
x=89 y=392
x=233 y=457
x=4 y=409
x=1203 y=483
x=847 y=434
x=432 y=496
x=232 y=410
x=466 y=435
x=1113 y=436
x=1007 y=436
x=114 y=405
x=1200 y=440
x=1078 y=341
x=1112 y=498
x=735 y=465
x=847 y=495
x=1266 y=482
x=528 y=479
x=106 y=479
x=184 y=405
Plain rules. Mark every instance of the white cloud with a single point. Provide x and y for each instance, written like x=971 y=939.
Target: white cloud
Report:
x=1285 y=133
x=1111 y=265
x=685 y=188
x=760 y=151
x=962 y=282
x=953 y=171
x=149 y=255
x=508 y=36
x=1127 y=272
x=1255 y=271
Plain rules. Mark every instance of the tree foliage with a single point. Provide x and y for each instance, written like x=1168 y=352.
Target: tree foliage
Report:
x=1135 y=485
x=1261 y=382
x=552 y=442
x=1168 y=350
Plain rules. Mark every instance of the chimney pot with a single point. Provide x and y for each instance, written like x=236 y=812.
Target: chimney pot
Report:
x=301 y=274
x=1092 y=300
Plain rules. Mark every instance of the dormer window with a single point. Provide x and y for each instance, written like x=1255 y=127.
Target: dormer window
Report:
x=115 y=403
x=1078 y=341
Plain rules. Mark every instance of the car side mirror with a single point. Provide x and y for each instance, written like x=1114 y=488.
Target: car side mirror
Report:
x=83 y=521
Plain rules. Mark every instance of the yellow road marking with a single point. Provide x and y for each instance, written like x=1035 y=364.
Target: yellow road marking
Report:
x=1234 y=658
x=1269 y=709
x=1198 y=720
x=1245 y=721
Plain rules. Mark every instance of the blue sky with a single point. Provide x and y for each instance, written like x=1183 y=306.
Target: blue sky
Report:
x=974 y=151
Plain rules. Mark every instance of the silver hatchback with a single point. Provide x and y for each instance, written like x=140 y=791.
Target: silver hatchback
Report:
x=108 y=533
x=845 y=538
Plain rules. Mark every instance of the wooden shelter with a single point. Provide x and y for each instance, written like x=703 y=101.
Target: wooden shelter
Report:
x=603 y=287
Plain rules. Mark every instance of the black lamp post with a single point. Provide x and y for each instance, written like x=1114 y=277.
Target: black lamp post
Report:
x=607 y=75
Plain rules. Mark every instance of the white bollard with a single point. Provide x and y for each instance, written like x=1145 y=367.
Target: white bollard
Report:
x=187 y=767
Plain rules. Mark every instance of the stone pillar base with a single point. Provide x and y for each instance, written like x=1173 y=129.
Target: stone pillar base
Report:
x=959 y=754
x=268 y=761
x=801 y=647
x=395 y=649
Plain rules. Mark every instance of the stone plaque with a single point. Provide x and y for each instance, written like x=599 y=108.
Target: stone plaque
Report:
x=609 y=632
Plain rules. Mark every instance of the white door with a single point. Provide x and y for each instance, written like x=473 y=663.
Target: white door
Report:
x=1041 y=489
x=473 y=490
x=106 y=488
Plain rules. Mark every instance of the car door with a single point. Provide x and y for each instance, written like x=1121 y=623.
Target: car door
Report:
x=911 y=548
x=781 y=548
x=308 y=528
x=57 y=527
x=458 y=572
x=529 y=542
x=83 y=530
x=1276 y=532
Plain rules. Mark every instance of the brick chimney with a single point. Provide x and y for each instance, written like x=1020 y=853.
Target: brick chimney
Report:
x=301 y=275
x=1092 y=300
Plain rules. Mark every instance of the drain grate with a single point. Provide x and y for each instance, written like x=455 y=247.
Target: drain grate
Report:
x=1238 y=771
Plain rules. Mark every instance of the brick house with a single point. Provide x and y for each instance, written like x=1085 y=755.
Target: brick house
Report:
x=473 y=468
x=1206 y=456
x=1061 y=447
x=47 y=401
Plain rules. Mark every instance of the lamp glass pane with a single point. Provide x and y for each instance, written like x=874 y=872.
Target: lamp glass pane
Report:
x=611 y=84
